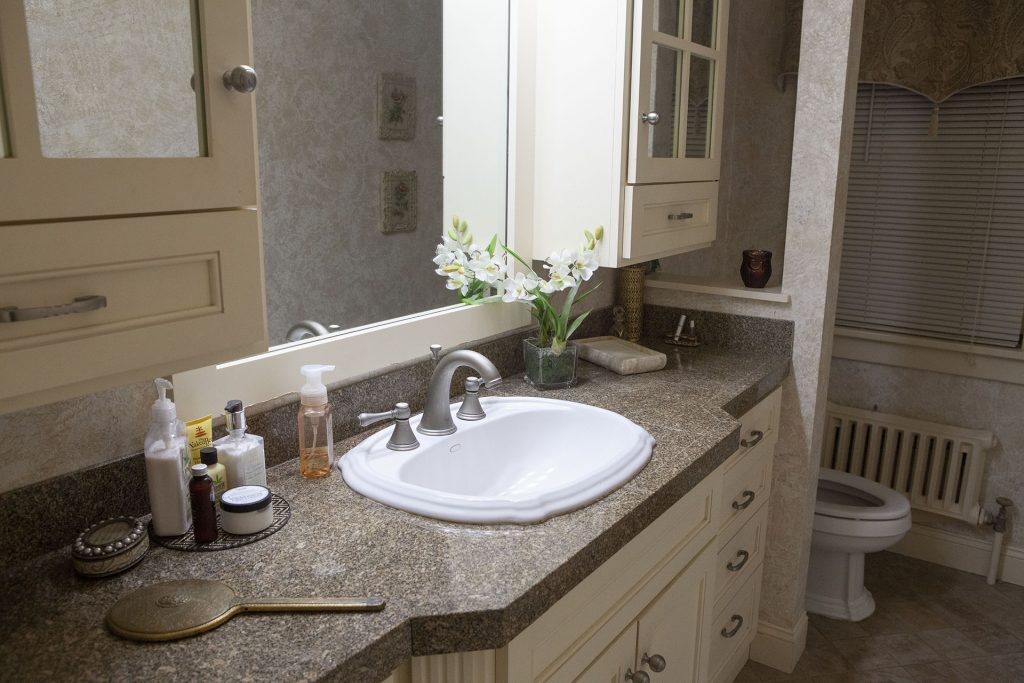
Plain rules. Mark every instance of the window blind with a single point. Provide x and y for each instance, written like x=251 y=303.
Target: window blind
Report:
x=934 y=237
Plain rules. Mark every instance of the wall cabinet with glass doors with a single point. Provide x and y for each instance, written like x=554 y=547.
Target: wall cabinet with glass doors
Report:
x=627 y=131
x=131 y=240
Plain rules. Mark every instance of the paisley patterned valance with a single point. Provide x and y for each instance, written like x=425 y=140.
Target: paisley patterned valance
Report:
x=933 y=47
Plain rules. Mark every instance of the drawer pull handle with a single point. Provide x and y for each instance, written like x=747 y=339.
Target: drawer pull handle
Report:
x=651 y=118
x=729 y=633
x=637 y=676
x=755 y=438
x=681 y=216
x=748 y=498
x=656 y=662
x=743 y=556
x=81 y=304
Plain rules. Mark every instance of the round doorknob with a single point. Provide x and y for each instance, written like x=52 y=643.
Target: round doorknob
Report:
x=656 y=662
x=651 y=117
x=241 y=79
x=637 y=676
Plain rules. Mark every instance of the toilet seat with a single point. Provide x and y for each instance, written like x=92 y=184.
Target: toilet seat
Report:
x=858 y=499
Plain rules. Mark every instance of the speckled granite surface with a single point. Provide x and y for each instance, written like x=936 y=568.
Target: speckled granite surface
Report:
x=449 y=587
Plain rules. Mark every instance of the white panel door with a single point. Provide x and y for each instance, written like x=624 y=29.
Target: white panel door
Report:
x=676 y=625
x=612 y=665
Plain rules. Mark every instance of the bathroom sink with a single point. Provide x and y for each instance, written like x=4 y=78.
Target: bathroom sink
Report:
x=528 y=460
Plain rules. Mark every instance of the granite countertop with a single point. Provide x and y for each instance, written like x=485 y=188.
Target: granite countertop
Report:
x=449 y=587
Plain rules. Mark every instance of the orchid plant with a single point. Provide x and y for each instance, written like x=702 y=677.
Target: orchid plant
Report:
x=475 y=272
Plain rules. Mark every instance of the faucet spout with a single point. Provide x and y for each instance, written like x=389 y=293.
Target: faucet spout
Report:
x=437 y=415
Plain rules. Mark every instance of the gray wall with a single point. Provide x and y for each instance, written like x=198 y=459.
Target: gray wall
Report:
x=320 y=160
x=757 y=143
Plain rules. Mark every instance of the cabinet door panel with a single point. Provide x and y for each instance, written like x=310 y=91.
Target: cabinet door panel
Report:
x=676 y=91
x=676 y=625
x=181 y=291
x=62 y=160
x=612 y=664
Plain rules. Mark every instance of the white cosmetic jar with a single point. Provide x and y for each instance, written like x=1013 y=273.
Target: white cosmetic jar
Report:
x=246 y=510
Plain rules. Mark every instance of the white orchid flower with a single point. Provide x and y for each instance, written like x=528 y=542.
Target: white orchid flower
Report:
x=559 y=278
x=445 y=251
x=456 y=263
x=487 y=268
x=519 y=288
x=584 y=265
x=459 y=281
x=560 y=260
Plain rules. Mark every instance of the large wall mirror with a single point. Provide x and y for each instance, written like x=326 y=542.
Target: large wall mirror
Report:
x=376 y=121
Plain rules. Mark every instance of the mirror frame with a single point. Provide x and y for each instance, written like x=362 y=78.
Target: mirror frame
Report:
x=368 y=350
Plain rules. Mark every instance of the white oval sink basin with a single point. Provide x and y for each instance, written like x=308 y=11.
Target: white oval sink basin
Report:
x=528 y=460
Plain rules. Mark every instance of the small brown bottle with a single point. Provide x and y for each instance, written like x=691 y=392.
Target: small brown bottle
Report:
x=204 y=511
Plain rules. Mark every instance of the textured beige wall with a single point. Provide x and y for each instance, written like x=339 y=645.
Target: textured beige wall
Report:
x=321 y=162
x=87 y=57
x=812 y=235
x=948 y=399
x=830 y=45
x=757 y=141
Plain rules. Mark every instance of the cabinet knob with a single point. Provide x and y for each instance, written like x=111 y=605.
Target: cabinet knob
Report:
x=241 y=79
x=729 y=633
x=651 y=118
x=755 y=438
x=748 y=498
x=637 y=676
x=656 y=662
x=742 y=557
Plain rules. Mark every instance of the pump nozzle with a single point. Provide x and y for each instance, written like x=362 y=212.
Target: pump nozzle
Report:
x=163 y=407
x=314 y=393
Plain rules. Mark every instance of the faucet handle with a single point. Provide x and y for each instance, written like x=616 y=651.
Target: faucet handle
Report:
x=402 y=438
x=435 y=352
x=471 y=408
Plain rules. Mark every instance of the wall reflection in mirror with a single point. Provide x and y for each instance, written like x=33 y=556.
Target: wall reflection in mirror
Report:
x=376 y=121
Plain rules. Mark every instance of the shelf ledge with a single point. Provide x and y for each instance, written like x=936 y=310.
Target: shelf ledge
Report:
x=717 y=286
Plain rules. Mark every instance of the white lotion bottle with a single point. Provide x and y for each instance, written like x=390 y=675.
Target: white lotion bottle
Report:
x=167 y=467
x=242 y=455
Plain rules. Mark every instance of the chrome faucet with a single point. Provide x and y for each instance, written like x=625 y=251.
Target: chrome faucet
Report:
x=437 y=415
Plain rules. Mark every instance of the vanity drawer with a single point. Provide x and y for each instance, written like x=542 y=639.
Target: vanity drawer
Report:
x=733 y=628
x=740 y=556
x=668 y=218
x=758 y=425
x=745 y=488
x=177 y=293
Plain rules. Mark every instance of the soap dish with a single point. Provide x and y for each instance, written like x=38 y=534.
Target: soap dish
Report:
x=620 y=356
x=110 y=547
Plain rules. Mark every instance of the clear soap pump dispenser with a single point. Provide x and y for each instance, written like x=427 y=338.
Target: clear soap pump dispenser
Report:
x=316 y=428
x=167 y=467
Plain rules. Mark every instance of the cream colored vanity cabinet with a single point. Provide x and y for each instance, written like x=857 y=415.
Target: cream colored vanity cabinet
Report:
x=128 y=223
x=627 y=132
x=685 y=590
x=742 y=527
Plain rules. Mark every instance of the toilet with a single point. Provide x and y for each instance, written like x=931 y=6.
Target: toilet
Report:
x=852 y=516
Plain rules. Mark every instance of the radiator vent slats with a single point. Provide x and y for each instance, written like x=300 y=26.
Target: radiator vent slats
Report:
x=938 y=467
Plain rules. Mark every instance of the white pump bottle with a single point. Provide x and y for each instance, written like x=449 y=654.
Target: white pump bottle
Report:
x=167 y=464
x=316 y=425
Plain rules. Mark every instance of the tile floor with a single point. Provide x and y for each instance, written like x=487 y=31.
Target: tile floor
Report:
x=931 y=624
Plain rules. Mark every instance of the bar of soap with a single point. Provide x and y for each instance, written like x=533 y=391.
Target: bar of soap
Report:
x=620 y=356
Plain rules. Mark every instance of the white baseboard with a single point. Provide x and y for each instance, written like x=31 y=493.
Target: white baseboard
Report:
x=779 y=647
x=962 y=552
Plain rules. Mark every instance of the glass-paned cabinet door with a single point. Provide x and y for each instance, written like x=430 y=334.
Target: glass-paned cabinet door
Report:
x=115 y=107
x=678 y=72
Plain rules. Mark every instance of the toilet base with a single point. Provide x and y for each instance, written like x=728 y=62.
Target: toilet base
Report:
x=835 y=586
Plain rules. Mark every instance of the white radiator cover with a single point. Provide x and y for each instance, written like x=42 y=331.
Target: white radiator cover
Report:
x=938 y=467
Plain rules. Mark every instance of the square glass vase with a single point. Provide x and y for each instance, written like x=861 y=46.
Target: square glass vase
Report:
x=546 y=369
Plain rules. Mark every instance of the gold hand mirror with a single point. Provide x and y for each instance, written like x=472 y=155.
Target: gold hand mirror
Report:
x=179 y=609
